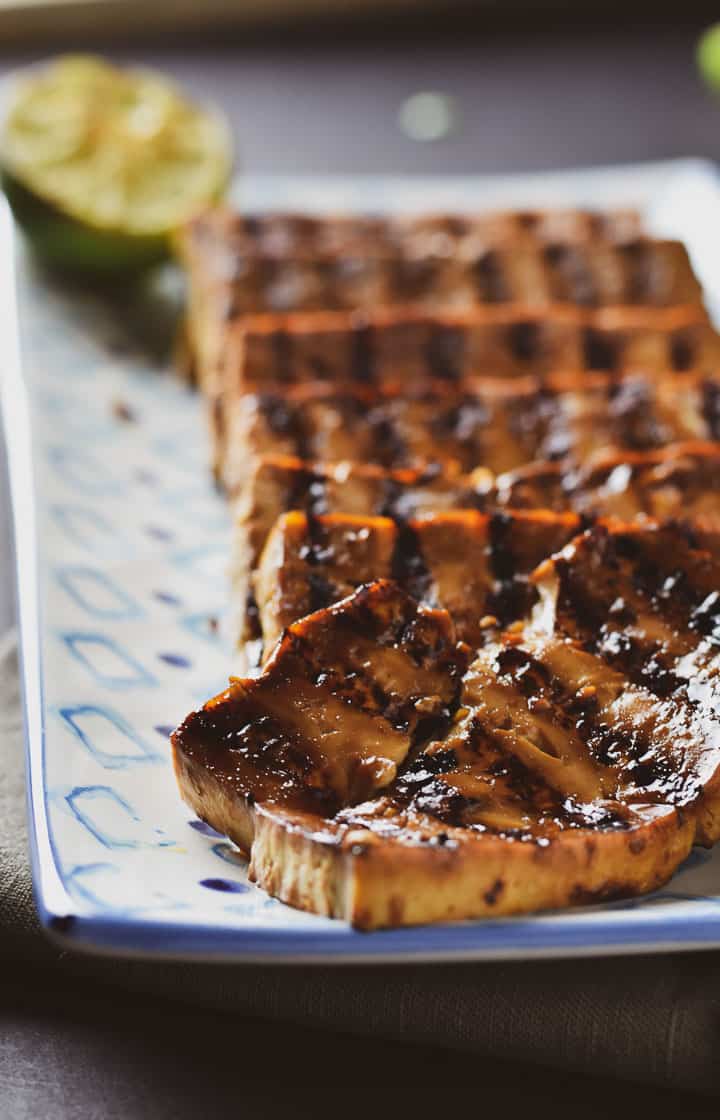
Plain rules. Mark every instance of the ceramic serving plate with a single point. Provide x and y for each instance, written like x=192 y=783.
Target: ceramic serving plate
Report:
x=121 y=547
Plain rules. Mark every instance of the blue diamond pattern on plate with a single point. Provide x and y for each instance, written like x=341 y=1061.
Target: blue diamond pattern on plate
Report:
x=106 y=660
x=110 y=819
x=108 y=736
x=96 y=593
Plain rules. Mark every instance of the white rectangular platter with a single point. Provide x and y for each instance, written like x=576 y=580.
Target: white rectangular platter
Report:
x=121 y=551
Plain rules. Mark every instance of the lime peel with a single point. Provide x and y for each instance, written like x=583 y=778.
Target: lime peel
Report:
x=121 y=153
x=708 y=56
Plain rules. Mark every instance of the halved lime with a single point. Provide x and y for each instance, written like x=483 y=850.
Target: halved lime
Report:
x=708 y=56
x=102 y=164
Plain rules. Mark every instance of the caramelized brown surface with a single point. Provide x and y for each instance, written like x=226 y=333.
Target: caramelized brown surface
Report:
x=295 y=234
x=282 y=483
x=473 y=565
x=384 y=348
x=489 y=423
x=680 y=482
x=554 y=776
x=346 y=695
x=405 y=351
x=645 y=602
x=368 y=772
x=284 y=263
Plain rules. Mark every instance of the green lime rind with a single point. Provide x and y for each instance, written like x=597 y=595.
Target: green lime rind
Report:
x=63 y=243
x=102 y=165
x=708 y=56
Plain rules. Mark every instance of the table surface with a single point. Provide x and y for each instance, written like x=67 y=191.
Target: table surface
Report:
x=527 y=99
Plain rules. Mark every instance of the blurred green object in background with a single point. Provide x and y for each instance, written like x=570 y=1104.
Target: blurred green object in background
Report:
x=102 y=164
x=708 y=56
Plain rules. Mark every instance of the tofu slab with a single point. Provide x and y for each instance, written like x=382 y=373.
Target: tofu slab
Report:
x=393 y=350
x=474 y=565
x=488 y=423
x=370 y=780
x=279 y=263
x=348 y=693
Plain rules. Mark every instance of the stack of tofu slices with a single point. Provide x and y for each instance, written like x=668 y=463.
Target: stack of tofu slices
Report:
x=474 y=467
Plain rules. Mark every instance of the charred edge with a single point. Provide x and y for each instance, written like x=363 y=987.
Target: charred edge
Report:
x=321 y=591
x=408 y=567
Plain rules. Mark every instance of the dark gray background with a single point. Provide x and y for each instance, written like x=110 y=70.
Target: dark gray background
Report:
x=533 y=93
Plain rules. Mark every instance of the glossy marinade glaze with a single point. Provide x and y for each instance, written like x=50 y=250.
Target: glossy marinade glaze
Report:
x=463 y=709
x=564 y=772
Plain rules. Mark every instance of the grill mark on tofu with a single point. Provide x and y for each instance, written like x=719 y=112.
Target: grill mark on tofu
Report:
x=483 y=423
x=645 y=603
x=523 y=341
x=571 y=276
x=347 y=694
x=285 y=419
x=393 y=350
x=308 y=237
x=362 y=355
x=675 y=481
x=443 y=560
x=661 y=748
x=680 y=482
x=492 y=285
x=600 y=350
x=631 y=410
x=446 y=349
x=682 y=351
x=409 y=567
x=639 y=265
x=711 y=407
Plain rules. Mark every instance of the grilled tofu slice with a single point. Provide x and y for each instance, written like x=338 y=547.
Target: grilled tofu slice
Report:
x=349 y=692
x=679 y=483
x=641 y=599
x=647 y=604
x=280 y=484
x=383 y=866
x=473 y=565
x=544 y=780
x=279 y=235
x=486 y=422
x=391 y=350
x=281 y=263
